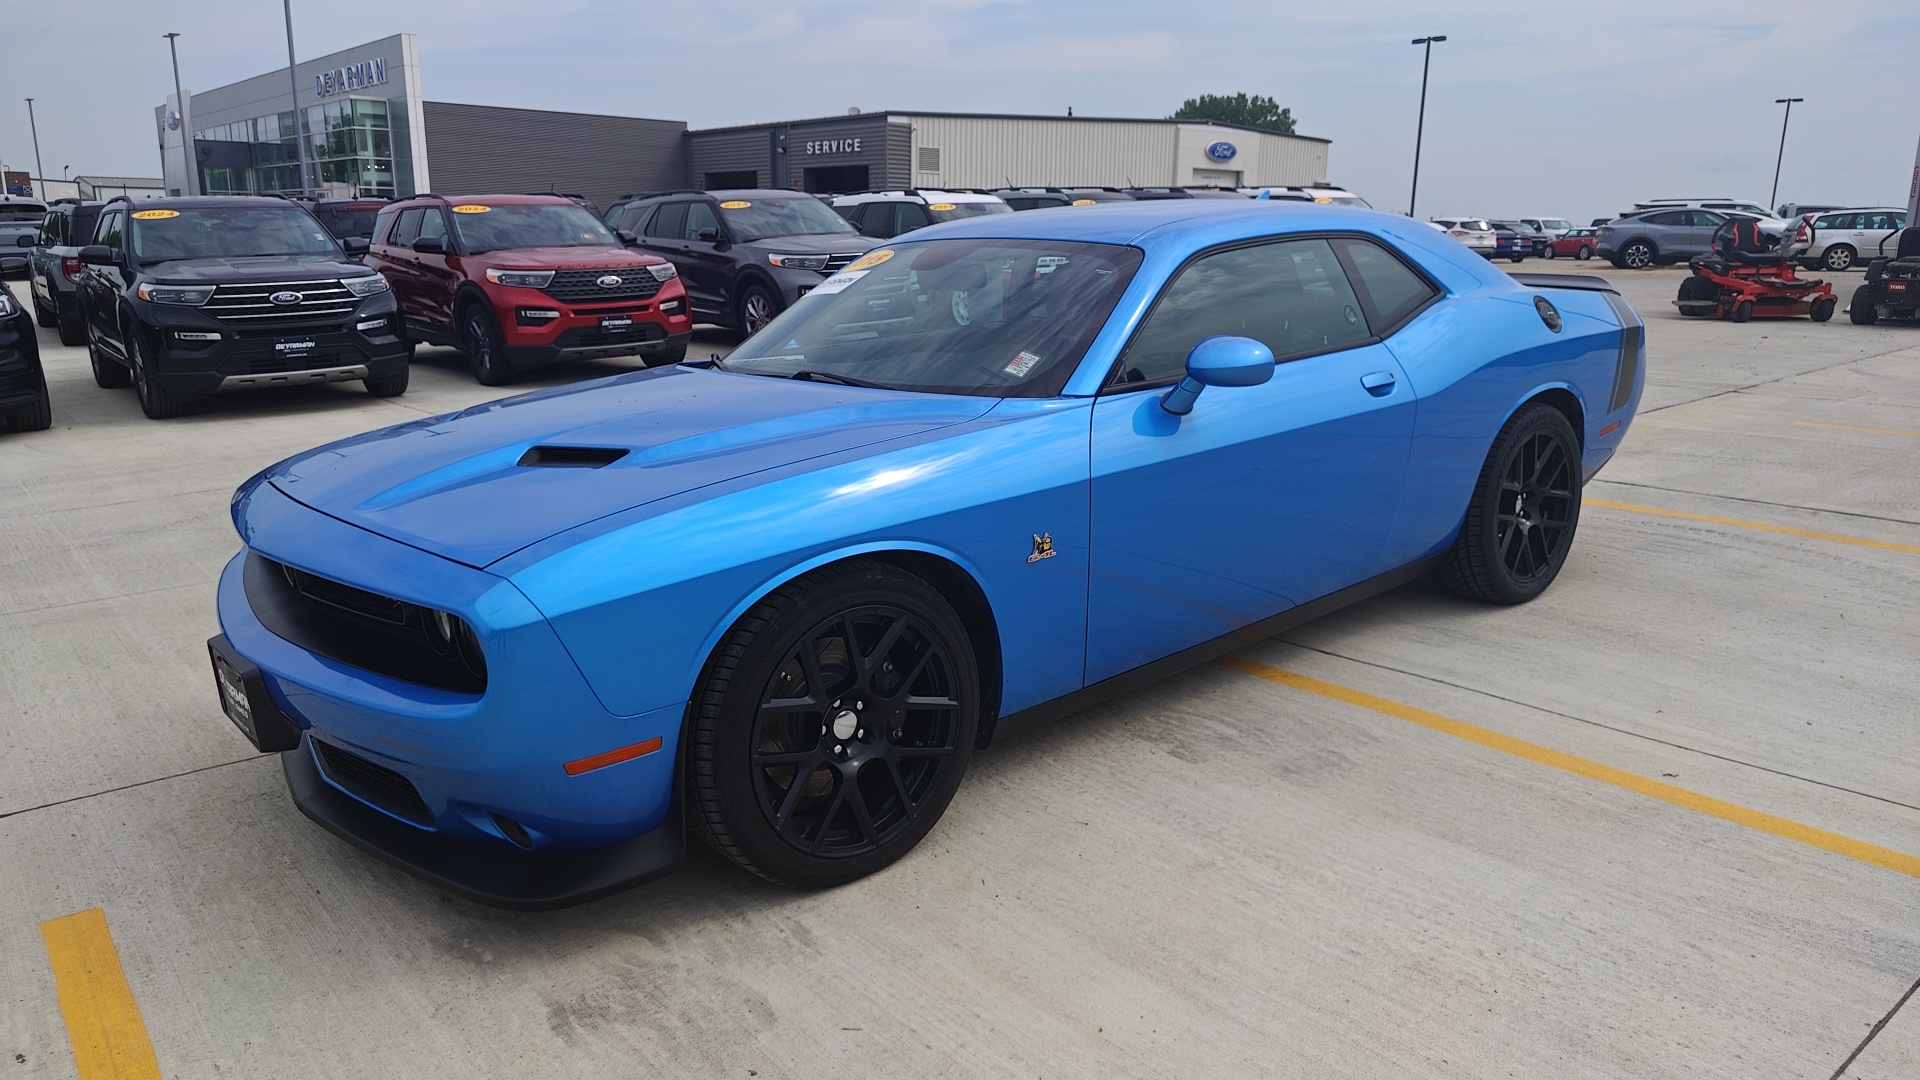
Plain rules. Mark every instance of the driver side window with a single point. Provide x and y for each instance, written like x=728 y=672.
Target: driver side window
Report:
x=433 y=224
x=700 y=217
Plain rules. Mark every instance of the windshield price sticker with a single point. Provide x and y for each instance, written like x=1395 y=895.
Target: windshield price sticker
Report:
x=1021 y=365
x=473 y=208
x=837 y=282
x=868 y=261
x=1083 y=202
x=942 y=207
x=735 y=204
x=154 y=215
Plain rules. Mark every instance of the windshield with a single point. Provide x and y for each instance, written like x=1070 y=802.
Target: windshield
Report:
x=944 y=211
x=485 y=228
x=209 y=232
x=1555 y=223
x=994 y=318
x=762 y=219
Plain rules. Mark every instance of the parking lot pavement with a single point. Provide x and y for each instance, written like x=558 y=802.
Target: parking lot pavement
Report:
x=1338 y=858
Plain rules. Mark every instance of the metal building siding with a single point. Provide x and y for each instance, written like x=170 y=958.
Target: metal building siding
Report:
x=478 y=149
x=992 y=151
x=730 y=151
x=899 y=172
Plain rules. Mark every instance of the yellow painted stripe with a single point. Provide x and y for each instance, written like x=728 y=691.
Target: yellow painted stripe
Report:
x=1875 y=855
x=103 y=1021
x=1850 y=427
x=1759 y=526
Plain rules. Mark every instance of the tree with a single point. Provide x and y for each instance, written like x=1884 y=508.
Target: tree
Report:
x=1254 y=112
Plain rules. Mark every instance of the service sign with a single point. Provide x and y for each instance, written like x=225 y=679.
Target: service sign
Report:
x=833 y=146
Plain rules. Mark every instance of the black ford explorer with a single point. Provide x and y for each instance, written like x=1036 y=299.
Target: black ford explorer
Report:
x=189 y=297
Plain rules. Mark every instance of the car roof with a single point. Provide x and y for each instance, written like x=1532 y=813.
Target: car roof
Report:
x=919 y=195
x=495 y=200
x=193 y=202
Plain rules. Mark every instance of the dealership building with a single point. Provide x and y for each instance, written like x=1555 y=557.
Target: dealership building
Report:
x=370 y=131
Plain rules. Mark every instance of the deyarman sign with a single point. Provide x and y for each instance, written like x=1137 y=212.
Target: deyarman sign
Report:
x=352 y=77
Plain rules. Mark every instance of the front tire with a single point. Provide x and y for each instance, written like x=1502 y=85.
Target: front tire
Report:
x=391 y=386
x=832 y=725
x=665 y=356
x=1742 y=311
x=1860 y=309
x=1838 y=257
x=155 y=400
x=486 y=353
x=35 y=417
x=1524 y=511
x=107 y=375
x=757 y=308
x=1584 y=253
x=1822 y=310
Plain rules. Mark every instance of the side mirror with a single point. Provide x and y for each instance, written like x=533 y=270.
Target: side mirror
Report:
x=708 y=235
x=1219 y=361
x=626 y=237
x=355 y=245
x=96 y=255
x=26 y=240
x=430 y=245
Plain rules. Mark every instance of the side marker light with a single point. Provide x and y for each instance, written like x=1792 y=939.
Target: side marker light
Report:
x=1608 y=430
x=612 y=757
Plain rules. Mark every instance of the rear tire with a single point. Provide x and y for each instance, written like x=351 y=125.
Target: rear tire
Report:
x=46 y=316
x=107 y=375
x=1636 y=255
x=1742 y=311
x=1822 y=310
x=1525 y=508
x=73 y=328
x=480 y=340
x=1547 y=252
x=1860 y=309
x=812 y=759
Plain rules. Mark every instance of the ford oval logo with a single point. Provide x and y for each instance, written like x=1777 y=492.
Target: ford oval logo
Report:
x=1221 y=151
x=609 y=281
x=287 y=297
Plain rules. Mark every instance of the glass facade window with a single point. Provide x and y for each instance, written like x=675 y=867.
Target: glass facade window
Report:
x=350 y=142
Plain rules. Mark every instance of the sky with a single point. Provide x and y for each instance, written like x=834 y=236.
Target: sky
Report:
x=1565 y=108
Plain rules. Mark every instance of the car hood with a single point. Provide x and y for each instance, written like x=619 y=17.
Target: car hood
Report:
x=454 y=485
x=565 y=258
x=242 y=269
x=817 y=244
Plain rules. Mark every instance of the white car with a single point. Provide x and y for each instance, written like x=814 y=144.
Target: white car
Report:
x=1324 y=195
x=1768 y=221
x=1476 y=233
x=1838 y=239
x=1554 y=227
x=884 y=215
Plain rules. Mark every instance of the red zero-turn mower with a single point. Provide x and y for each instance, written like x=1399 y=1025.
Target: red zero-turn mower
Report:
x=1746 y=278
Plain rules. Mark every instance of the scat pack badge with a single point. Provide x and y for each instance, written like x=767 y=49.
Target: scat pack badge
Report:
x=1042 y=547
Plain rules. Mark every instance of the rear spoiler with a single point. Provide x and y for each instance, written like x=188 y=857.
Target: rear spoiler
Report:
x=1566 y=281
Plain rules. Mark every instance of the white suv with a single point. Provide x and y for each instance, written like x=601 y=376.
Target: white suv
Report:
x=884 y=215
x=1476 y=233
x=1554 y=227
x=1838 y=239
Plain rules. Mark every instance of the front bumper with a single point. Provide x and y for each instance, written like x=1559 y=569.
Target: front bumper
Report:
x=244 y=357
x=465 y=790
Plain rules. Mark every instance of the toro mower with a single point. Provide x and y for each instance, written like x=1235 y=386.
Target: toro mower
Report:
x=1892 y=290
x=1745 y=277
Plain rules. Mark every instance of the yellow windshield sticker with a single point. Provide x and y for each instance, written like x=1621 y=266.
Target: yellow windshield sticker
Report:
x=154 y=215
x=942 y=207
x=1083 y=202
x=868 y=261
x=473 y=208
x=735 y=204
x=1323 y=200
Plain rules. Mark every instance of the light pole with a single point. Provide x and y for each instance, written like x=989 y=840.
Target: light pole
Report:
x=1420 y=131
x=180 y=109
x=293 y=86
x=37 y=169
x=1782 y=156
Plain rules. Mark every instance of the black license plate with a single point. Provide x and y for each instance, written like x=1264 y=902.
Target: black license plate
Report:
x=233 y=697
x=244 y=698
x=616 y=323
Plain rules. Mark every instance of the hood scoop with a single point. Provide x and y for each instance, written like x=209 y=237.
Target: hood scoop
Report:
x=571 y=457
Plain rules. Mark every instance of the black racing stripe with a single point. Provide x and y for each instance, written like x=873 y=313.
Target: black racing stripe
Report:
x=1632 y=340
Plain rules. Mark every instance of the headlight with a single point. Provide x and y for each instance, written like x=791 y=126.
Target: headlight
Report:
x=7 y=307
x=192 y=296
x=449 y=635
x=365 y=286
x=664 y=272
x=531 y=279
x=799 y=262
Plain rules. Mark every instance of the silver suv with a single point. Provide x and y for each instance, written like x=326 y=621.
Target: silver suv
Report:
x=1658 y=237
x=1838 y=239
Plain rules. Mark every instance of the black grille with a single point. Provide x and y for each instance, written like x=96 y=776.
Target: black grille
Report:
x=378 y=633
x=837 y=263
x=582 y=286
x=377 y=784
x=253 y=305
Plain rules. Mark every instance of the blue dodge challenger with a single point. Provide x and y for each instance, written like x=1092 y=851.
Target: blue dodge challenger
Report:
x=994 y=473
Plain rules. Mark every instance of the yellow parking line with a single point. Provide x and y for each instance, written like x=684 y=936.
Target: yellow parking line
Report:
x=103 y=1021
x=1760 y=526
x=1850 y=427
x=1875 y=855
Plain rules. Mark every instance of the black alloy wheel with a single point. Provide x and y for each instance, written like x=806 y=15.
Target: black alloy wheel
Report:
x=1525 y=508
x=1637 y=255
x=1860 y=309
x=107 y=375
x=1838 y=257
x=757 y=308
x=155 y=400
x=833 y=725
x=480 y=340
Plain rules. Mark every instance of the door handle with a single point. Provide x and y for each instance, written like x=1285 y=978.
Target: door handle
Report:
x=1379 y=384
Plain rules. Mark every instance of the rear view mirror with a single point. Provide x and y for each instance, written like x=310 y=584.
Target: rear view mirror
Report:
x=1219 y=361
x=430 y=245
x=97 y=255
x=26 y=240
x=355 y=245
